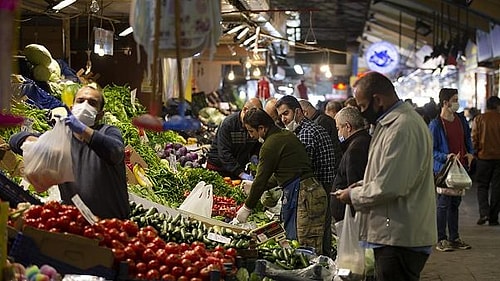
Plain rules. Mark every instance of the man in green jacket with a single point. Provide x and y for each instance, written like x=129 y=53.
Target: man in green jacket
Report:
x=283 y=161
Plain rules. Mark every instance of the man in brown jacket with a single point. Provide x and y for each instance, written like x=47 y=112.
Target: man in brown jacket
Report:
x=486 y=142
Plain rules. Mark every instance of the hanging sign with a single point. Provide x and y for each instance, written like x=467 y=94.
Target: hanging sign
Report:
x=382 y=57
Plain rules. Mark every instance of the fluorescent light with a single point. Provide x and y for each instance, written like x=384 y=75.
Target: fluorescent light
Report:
x=298 y=69
x=236 y=29
x=126 y=32
x=243 y=33
x=63 y=4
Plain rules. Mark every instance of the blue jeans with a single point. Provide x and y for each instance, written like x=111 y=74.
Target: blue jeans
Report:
x=447 y=216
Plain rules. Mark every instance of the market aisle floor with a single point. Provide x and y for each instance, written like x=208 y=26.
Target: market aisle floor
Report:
x=481 y=263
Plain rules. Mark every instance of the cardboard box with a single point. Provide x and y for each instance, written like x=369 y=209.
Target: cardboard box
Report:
x=9 y=161
x=77 y=251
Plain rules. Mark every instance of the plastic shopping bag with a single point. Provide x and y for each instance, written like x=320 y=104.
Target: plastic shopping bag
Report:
x=457 y=177
x=199 y=201
x=48 y=161
x=351 y=256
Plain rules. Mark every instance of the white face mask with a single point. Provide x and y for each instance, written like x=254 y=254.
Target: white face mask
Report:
x=292 y=125
x=454 y=106
x=85 y=113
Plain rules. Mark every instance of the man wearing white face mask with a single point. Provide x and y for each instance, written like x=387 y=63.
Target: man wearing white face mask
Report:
x=319 y=147
x=355 y=143
x=451 y=136
x=97 y=152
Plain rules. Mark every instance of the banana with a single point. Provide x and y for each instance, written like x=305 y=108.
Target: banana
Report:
x=140 y=176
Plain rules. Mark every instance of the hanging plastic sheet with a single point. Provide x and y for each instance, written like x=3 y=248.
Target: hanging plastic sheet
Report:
x=36 y=95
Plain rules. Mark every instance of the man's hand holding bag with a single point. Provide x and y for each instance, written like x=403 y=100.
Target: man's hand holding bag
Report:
x=48 y=160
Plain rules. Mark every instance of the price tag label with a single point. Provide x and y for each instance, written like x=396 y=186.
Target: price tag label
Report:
x=84 y=210
x=133 y=95
x=218 y=238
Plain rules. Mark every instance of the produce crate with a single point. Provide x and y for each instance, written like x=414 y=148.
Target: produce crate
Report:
x=25 y=251
x=14 y=194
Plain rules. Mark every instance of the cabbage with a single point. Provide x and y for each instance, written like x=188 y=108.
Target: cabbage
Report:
x=38 y=54
x=41 y=73
x=55 y=71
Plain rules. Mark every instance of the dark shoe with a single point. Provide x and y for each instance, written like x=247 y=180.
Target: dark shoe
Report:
x=459 y=244
x=493 y=223
x=444 y=246
x=482 y=220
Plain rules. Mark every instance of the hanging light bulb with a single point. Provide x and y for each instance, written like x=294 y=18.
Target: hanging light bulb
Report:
x=248 y=64
x=230 y=76
x=256 y=72
x=324 y=68
x=328 y=74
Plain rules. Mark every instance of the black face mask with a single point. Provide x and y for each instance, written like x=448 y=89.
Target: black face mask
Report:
x=370 y=114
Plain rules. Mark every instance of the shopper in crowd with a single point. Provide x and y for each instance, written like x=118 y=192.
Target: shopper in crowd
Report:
x=351 y=102
x=325 y=121
x=471 y=113
x=332 y=107
x=301 y=90
x=232 y=148
x=396 y=199
x=97 y=152
x=451 y=136
x=486 y=143
x=319 y=147
x=270 y=108
x=355 y=142
x=283 y=162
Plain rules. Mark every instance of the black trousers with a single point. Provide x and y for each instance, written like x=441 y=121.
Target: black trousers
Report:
x=487 y=182
x=398 y=264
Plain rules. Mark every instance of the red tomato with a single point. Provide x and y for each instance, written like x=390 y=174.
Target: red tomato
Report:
x=159 y=242
x=164 y=269
x=75 y=228
x=63 y=221
x=148 y=255
x=172 y=260
x=197 y=243
x=130 y=227
x=140 y=276
x=184 y=247
x=153 y=274
x=200 y=251
x=53 y=205
x=31 y=222
x=117 y=244
x=218 y=255
x=213 y=260
x=219 y=248
x=141 y=267
x=119 y=254
x=168 y=277
x=141 y=234
x=150 y=236
x=152 y=246
x=199 y=264
x=114 y=233
x=139 y=247
x=177 y=271
x=185 y=263
x=51 y=223
x=98 y=228
x=55 y=230
x=195 y=279
x=172 y=248
x=33 y=212
x=161 y=254
x=129 y=252
x=41 y=226
x=149 y=228
x=183 y=278
x=231 y=252
x=191 y=271
x=123 y=237
x=205 y=272
x=191 y=255
x=153 y=264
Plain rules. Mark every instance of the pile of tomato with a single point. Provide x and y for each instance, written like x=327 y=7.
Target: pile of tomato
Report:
x=148 y=256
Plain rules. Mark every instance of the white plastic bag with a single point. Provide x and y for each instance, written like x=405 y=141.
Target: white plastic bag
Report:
x=48 y=161
x=200 y=200
x=351 y=256
x=457 y=177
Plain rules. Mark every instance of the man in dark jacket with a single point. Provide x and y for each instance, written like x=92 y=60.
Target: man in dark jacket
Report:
x=97 y=153
x=326 y=122
x=355 y=144
x=232 y=147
